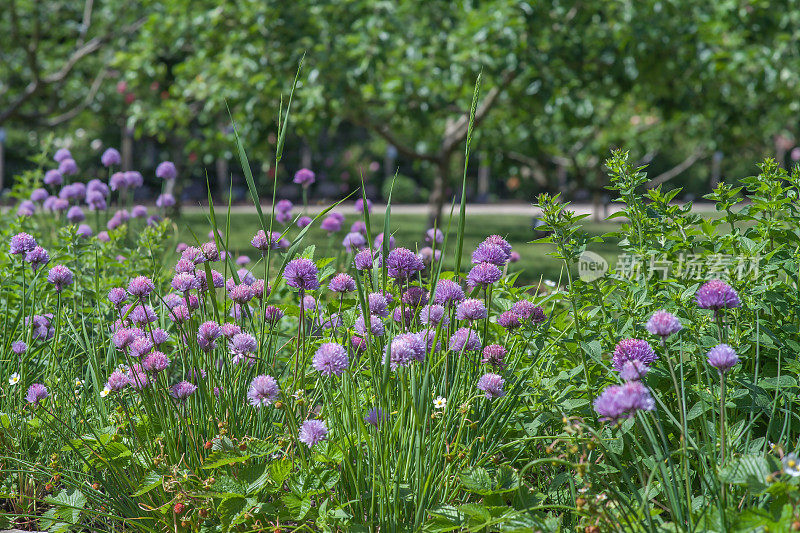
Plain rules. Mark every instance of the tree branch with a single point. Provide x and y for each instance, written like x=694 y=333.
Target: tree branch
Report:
x=677 y=169
x=384 y=131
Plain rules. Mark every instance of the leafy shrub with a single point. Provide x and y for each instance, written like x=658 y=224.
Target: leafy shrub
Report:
x=404 y=190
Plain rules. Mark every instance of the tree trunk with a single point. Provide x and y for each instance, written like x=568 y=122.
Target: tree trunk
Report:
x=223 y=177
x=440 y=182
x=127 y=148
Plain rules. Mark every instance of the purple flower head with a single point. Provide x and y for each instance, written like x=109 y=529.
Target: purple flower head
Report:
x=428 y=255
x=59 y=205
x=245 y=276
x=185 y=266
x=97 y=186
x=304 y=221
x=37 y=257
x=165 y=200
x=117 y=381
x=140 y=287
x=193 y=254
x=84 y=230
x=465 y=339
x=264 y=243
x=358 y=344
x=26 y=208
x=182 y=390
x=60 y=276
x=140 y=346
x=284 y=206
x=716 y=295
x=363 y=260
x=487 y=252
x=301 y=274
x=41 y=326
x=378 y=304
x=494 y=355
x=166 y=170
x=630 y=350
x=243 y=344
x=434 y=235
x=379 y=242
x=155 y=362
x=402 y=264
x=134 y=179
x=117 y=181
x=633 y=370
x=404 y=349
x=375 y=416
x=96 y=201
x=499 y=241
x=509 y=320
x=331 y=359
x=492 y=386
x=375 y=326
x=471 y=309
x=122 y=338
x=337 y=216
x=722 y=357
x=143 y=314
x=68 y=167
x=21 y=243
x=514 y=256
x=173 y=300
x=663 y=323
x=312 y=432
x=160 y=336
x=309 y=303
x=139 y=211
x=258 y=287
x=184 y=282
x=207 y=334
x=242 y=260
x=527 y=310
x=36 y=393
x=138 y=378
x=110 y=157
x=359 y=227
x=103 y=236
x=283 y=217
x=229 y=329
x=53 y=178
x=622 y=401
x=334 y=322
x=342 y=283
x=359 y=206
x=415 y=296
x=304 y=177
x=272 y=314
x=19 y=347
x=483 y=274
x=154 y=220
x=331 y=224
x=433 y=315
x=263 y=391
x=62 y=154
x=448 y=292
x=240 y=293
x=354 y=241
x=39 y=195
x=210 y=251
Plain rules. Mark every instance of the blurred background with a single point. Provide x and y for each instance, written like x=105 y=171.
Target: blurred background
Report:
x=699 y=91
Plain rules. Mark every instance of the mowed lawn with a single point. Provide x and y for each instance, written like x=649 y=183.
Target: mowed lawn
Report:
x=409 y=231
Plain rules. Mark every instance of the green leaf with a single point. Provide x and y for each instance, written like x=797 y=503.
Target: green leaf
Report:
x=749 y=470
x=223 y=458
x=150 y=481
x=229 y=509
x=476 y=480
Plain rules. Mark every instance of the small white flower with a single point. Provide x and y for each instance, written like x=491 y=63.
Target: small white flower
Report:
x=104 y=392
x=791 y=464
x=78 y=382
x=14 y=379
x=550 y=283
x=440 y=402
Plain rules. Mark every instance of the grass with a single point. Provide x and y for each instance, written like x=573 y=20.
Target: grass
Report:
x=409 y=231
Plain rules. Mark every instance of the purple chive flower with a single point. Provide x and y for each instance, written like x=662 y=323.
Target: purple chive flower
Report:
x=110 y=157
x=630 y=350
x=331 y=224
x=263 y=391
x=26 y=208
x=53 y=178
x=207 y=334
x=402 y=264
x=358 y=344
x=359 y=206
x=494 y=355
x=68 y=167
x=312 y=432
x=483 y=274
x=499 y=241
x=375 y=416
x=272 y=314
x=716 y=295
x=242 y=344
x=138 y=378
x=36 y=393
x=428 y=255
x=143 y=314
x=404 y=349
x=173 y=300
x=378 y=243
x=84 y=230
x=264 y=243
x=60 y=276
x=37 y=257
x=103 y=236
x=471 y=309
x=165 y=200
x=338 y=216
x=139 y=211
x=448 y=292
x=283 y=217
x=62 y=154
x=210 y=251
x=405 y=316
x=39 y=195
x=465 y=339
x=375 y=326
x=301 y=274
x=492 y=386
x=241 y=293
x=117 y=181
x=229 y=329
x=21 y=243
x=182 y=390
x=309 y=303
x=633 y=370
x=117 y=381
x=19 y=347
x=134 y=179
x=122 y=338
x=487 y=252
x=342 y=283
x=284 y=206
x=434 y=235
x=509 y=320
x=722 y=357
x=359 y=226
x=141 y=287
x=415 y=296
x=166 y=170
x=155 y=362
x=258 y=287
x=183 y=266
x=140 y=346
x=433 y=315
x=663 y=323
x=354 y=241
x=622 y=401
x=363 y=260
x=60 y=205
x=527 y=310
x=378 y=304
x=242 y=260
x=304 y=221
x=159 y=336
x=330 y=359
x=514 y=256
x=304 y=177
x=41 y=326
